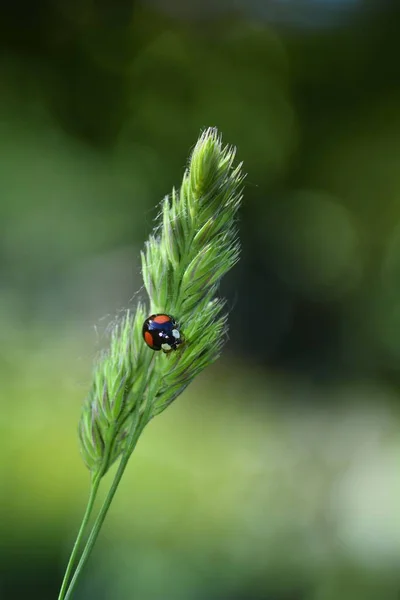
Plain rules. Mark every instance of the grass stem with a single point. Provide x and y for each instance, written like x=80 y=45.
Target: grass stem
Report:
x=94 y=488
x=102 y=515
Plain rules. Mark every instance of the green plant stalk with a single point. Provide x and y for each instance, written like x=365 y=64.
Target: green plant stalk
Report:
x=94 y=488
x=192 y=246
x=139 y=423
x=103 y=511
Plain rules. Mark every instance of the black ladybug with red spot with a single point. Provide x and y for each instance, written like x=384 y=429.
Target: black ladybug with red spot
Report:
x=161 y=332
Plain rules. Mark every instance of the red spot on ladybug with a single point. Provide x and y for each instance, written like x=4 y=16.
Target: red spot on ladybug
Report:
x=161 y=318
x=148 y=338
x=161 y=332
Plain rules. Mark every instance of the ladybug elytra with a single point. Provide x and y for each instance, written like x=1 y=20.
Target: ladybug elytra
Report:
x=161 y=332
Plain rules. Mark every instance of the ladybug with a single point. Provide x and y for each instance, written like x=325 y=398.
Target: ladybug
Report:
x=161 y=332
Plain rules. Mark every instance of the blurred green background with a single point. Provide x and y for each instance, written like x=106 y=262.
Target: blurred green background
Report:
x=276 y=475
